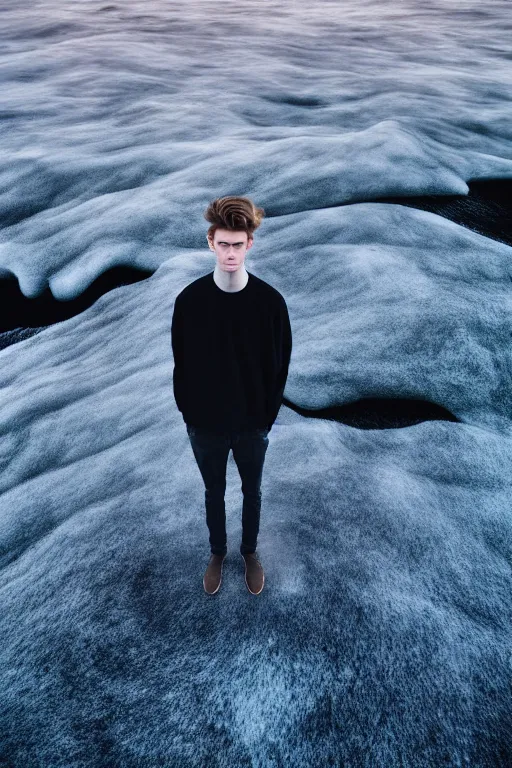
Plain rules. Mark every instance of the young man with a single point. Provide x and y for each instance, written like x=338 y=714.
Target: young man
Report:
x=232 y=342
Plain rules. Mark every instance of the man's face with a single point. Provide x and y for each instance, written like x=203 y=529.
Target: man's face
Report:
x=230 y=248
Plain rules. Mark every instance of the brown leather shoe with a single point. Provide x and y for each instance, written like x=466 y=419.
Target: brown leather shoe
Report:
x=213 y=575
x=254 y=576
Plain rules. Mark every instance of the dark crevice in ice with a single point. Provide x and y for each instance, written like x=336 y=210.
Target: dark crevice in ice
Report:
x=21 y=317
x=486 y=209
x=379 y=412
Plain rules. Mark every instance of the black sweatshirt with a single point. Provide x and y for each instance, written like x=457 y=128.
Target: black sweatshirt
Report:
x=231 y=354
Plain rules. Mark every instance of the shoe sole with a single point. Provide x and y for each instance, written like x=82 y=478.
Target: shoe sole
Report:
x=247 y=585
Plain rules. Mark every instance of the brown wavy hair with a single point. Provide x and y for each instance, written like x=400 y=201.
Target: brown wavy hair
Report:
x=233 y=213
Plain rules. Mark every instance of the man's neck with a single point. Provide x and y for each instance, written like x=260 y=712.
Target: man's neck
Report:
x=231 y=281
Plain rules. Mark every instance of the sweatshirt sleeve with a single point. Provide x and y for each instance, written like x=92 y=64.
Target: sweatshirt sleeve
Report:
x=178 y=345
x=283 y=345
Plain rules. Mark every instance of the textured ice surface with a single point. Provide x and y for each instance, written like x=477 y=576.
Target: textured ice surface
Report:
x=383 y=635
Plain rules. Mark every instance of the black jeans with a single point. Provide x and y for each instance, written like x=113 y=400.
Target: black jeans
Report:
x=211 y=450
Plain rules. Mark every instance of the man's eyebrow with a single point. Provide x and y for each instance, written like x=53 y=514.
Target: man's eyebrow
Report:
x=225 y=242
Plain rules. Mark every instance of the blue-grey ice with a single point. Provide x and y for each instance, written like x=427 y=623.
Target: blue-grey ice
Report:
x=383 y=636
